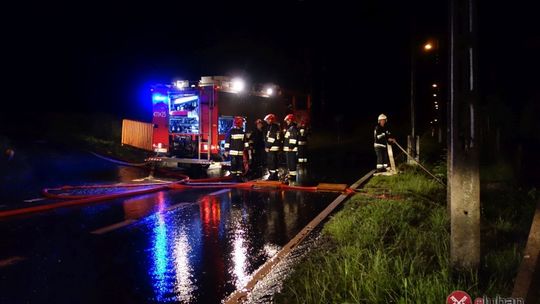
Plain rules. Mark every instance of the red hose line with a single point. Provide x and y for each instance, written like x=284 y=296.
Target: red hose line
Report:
x=239 y=185
x=287 y=187
x=209 y=180
x=182 y=184
x=46 y=192
x=86 y=200
x=215 y=186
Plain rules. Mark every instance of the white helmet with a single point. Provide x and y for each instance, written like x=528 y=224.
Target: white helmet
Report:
x=381 y=117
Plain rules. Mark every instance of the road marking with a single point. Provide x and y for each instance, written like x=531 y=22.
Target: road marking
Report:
x=176 y=206
x=35 y=199
x=113 y=227
x=11 y=261
x=219 y=192
x=125 y=223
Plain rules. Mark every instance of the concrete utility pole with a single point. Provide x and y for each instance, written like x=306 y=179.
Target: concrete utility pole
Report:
x=463 y=171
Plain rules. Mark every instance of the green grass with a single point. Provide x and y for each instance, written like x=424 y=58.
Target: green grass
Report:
x=395 y=249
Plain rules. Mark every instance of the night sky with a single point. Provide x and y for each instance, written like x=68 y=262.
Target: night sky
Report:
x=353 y=58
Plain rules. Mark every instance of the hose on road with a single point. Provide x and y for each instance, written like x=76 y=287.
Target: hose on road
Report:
x=424 y=168
x=85 y=194
x=118 y=162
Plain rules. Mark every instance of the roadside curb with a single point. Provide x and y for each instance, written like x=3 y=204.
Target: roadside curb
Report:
x=240 y=295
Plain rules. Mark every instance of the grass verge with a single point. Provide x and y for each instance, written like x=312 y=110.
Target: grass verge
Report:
x=390 y=244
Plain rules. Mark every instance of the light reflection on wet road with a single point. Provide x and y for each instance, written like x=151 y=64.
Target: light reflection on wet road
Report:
x=178 y=246
x=193 y=246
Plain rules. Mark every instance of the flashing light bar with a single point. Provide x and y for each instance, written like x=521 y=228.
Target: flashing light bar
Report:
x=185 y=99
x=159 y=97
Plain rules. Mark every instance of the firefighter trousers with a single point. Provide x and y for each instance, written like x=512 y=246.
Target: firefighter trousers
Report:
x=382 y=158
x=291 y=163
x=259 y=157
x=272 y=162
x=258 y=162
x=302 y=154
x=237 y=165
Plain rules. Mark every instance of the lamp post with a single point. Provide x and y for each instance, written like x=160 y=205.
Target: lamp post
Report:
x=413 y=142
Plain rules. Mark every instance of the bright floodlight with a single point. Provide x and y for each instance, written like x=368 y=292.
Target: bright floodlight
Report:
x=269 y=91
x=238 y=85
x=181 y=84
x=428 y=46
x=434 y=85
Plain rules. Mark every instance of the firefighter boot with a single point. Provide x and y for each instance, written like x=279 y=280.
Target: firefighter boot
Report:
x=290 y=180
x=273 y=176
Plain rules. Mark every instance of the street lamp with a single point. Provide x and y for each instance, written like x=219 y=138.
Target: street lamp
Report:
x=411 y=143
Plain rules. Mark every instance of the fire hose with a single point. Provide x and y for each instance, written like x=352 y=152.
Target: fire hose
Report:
x=419 y=164
x=118 y=162
x=85 y=194
x=128 y=190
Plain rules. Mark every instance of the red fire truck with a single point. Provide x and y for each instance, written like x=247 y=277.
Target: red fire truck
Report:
x=191 y=119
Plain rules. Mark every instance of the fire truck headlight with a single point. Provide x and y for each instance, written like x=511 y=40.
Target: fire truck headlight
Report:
x=238 y=85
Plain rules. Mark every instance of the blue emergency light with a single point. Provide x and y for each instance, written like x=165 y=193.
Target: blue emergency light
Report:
x=158 y=97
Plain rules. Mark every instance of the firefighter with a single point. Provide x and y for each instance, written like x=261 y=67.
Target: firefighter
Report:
x=235 y=145
x=382 y=137
x=256 y=145
x=290 y=147
x=272 y=140
x=303 y=134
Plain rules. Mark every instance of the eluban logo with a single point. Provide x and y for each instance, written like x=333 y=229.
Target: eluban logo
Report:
x=459 y=297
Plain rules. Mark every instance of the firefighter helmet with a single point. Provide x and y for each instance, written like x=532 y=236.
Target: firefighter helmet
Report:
x=381 y=117
x=270 y=118
x=289 y=117
x=239 y=121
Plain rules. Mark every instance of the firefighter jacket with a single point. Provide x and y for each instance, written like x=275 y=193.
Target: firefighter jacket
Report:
x=381 y=135
x=303 y=134
x=256 y=140
x=272 y=138
x=290 y=140
x=236 y=142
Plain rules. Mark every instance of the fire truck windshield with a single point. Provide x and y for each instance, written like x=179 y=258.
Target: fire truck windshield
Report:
x=184 y=114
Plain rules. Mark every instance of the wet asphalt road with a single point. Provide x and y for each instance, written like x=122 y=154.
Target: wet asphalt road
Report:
x=194 y=246
x=176 y=246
